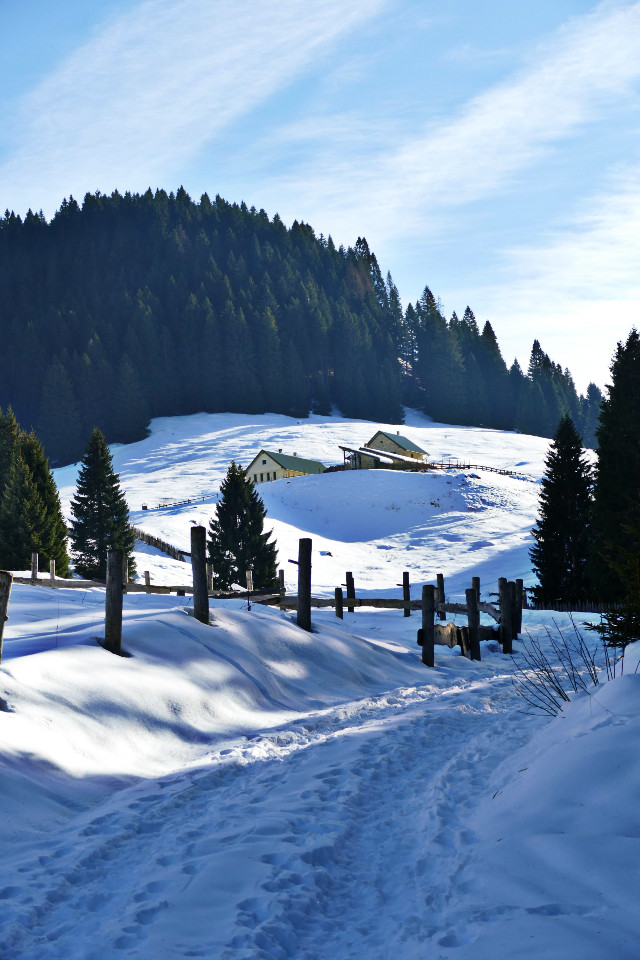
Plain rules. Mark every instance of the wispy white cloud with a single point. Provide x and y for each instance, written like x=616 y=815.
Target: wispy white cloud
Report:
x=578 y=285
x=147 y=92
x=570 y=82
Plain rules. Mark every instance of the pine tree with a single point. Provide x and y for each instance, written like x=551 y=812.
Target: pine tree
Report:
x=31 y=518
x=53 y=532
x=22 y=518
x=236 y=538
x=100 y=512
x=561 y=551
x=618 y=469
x=8 y=435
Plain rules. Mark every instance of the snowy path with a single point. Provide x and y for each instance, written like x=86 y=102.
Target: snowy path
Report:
x=342 y=836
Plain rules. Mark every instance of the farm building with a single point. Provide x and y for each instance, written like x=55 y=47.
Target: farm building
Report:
x=394 y=443
x=268 y=465
x=386 y=450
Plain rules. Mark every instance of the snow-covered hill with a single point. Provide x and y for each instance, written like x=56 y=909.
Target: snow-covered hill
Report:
x=375 y=523
x=251 y=791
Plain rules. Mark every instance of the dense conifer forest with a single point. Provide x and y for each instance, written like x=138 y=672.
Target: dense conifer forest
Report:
x=137 y=306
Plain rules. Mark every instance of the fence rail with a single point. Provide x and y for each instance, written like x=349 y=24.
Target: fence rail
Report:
x=175 y=552
x=573 y=606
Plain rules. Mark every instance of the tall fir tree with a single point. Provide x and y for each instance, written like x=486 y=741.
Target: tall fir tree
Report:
x=100 y=513
x=237 y=540
x=22 y=518
x=560 y=554
x=31 y=518
x=8 y=436
x=53 y=534
x=618 y=470
x=620 y=625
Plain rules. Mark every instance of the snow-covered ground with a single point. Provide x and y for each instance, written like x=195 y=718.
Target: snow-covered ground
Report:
x=251 y=791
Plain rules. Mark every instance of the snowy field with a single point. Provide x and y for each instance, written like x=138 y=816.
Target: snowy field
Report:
x=248 y=791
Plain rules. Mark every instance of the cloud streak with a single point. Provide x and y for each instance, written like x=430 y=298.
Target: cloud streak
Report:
x=144 y=95
x=578 y=285
x=571 y=82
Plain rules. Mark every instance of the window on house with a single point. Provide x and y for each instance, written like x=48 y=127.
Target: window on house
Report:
x=261 y=478
x=264 y=462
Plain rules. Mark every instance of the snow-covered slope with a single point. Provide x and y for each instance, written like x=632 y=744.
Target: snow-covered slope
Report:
x=251 y=791
x=375 y=523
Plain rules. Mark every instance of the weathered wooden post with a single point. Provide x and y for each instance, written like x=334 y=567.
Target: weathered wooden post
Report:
x=113 y=602
x=475 y=583
x=441 y=596
x=147 y=580
x=519 y=600
x=5 y=592
x=281 y=581
x=199 y=571
x=513 y=603
x=506 y=616
x=406 y=593
x=210 y=578
x=34 y=566
x=339 y=603
x=52 y=570
x=303 y=618
x=473 y=617
x=351 y=590
x=428 y=632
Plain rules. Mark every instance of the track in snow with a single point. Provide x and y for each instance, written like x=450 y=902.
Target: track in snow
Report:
x=330 y=838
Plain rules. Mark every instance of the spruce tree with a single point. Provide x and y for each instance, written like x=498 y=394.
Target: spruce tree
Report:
x=618 y=470
x=53 y=532
x=560 y=553
x=8 y=435
x=236 y=538
x=100 y=512
x=22 y=518
x=620 y=625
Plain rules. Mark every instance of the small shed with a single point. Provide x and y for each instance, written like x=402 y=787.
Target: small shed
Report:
x=395 y=443
x=269 y=465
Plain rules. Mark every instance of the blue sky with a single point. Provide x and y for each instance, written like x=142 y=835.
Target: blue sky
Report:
x=491 y=151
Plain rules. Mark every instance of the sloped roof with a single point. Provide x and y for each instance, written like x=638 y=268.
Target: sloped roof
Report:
x=299 y=464
x=402 y=442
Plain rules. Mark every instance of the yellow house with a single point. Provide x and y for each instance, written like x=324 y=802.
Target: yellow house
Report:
x=268 y=465
x=393 y=443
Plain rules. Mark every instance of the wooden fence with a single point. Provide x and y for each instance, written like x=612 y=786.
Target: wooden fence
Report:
x=175 y=552
x=573 y=606
x=507 y=614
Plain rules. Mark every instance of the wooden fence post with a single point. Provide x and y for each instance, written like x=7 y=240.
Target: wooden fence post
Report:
x=406 y=593
x=52 y=570
x=339 y=603
x=506 y=616
x=519 y=598
x=34 y=566
x=210 y=578
x=351 y=590
x=147 y=579
x=113 y=602
x=281 y=581
x=5 y=592
x=199 y=572
x=303 y=618
x=513 y=602
x=441 y=595
x=473 y=616
x=475 y=583
x=428 y=631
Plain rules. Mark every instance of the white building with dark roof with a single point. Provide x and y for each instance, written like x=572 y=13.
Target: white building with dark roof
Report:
x=269 y=465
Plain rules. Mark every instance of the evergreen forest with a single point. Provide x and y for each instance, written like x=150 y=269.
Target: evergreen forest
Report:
x=134 y=306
